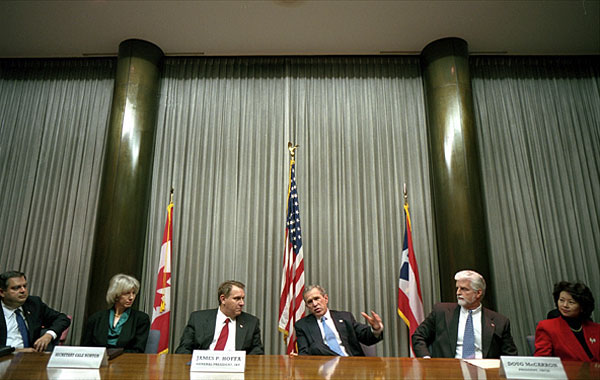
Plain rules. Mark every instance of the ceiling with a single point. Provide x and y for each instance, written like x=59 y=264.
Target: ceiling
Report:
x=297 y=27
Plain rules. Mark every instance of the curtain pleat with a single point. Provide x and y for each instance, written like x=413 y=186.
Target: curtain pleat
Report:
x=53 y=119
x=538 y=122
x=222 y=144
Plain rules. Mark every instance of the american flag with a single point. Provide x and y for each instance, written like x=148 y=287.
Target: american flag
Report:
x=291 y=304
x=161 y=312
x=410 y=301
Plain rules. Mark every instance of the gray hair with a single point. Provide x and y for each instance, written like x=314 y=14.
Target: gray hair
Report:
x=311 y=287
x=477 y=280
x=119 y=284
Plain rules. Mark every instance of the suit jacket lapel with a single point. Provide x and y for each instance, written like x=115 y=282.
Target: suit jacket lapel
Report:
x=341 y=329
x=209 y=329
x=3 y=332
x=125 y=330
x=487 y=332
x=570 y=340
x=315 y=331
x=240 y=331
x=105 y=321
x=32 y=323
x=452 y=318
x=588 y=329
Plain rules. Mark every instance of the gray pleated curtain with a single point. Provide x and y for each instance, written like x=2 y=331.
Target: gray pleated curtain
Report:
x=224 y=124
x=53 y=119
x=538 y=122
x=221 y=140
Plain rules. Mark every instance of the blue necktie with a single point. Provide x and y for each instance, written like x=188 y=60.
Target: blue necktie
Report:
x=469 y=338
x=22 y=328
x=330 y=338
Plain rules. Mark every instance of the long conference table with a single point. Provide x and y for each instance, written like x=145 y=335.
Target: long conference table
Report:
x=143 y=366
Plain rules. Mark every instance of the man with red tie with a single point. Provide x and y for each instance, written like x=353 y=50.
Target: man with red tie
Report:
x=226 y=328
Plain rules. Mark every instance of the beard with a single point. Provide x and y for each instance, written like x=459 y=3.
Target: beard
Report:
x=464 y=302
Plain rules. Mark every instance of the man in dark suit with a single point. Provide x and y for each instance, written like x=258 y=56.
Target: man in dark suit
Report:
x=209 y=329
x=25 y=316
x=330 y=332
x=466 y=329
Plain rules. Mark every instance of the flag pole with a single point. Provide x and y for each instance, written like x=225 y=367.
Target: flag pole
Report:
x=291 y=304
x=410 y=300
x=161 y=311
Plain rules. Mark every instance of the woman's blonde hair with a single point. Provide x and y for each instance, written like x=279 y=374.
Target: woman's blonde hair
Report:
x=119 y=284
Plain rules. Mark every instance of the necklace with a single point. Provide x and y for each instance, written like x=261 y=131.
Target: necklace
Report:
x=576 y=330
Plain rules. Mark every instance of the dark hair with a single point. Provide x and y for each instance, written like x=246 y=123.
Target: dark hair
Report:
x=225 y=288
x=580 y=293
x=311 y=287
x=4 y=277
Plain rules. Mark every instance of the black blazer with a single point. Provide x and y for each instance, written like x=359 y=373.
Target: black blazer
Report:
x=439 y=332
x=39 y=316
x=200 y=331
x=134 y=333
x=352 y=333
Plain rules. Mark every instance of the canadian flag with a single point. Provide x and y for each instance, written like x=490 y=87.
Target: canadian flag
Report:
x=161 y=313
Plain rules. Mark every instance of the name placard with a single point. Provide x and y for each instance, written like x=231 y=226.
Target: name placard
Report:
x=78 y=357
x=529 y=367
x=218 y=361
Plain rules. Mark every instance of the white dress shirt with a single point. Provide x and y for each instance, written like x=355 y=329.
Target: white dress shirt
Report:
x=462 y=321
x=219 y=324
x=13 y=335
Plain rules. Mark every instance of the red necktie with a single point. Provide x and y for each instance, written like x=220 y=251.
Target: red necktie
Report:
x=223 y=337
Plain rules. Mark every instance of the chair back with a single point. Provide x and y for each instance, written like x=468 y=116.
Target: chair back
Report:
x=369 y=350
x=152 y=343
x=63 y=336
x=531 y=344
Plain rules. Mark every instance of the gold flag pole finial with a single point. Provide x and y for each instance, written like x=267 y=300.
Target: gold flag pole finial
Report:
x=292 y=149
x=172 y=190
x=405 y=195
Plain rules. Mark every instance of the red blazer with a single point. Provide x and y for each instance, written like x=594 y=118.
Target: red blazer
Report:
x=553 y=337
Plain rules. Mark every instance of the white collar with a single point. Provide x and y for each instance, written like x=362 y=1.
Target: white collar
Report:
x=474 y=311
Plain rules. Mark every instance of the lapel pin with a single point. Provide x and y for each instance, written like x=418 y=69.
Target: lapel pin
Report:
x=341 y=321
x=593 y=340
x=241 y=326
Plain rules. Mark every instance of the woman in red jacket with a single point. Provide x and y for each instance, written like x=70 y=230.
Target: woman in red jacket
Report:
x=573 y=335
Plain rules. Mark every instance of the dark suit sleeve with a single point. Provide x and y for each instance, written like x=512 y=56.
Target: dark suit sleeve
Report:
x=508 y=345
x=88 y=333
x=301 y=340
x=40 y=316
x=186 y=344
x=364 y=333
x=54 y=320
x=423 y=336
x=142 y=328
x=256 y=347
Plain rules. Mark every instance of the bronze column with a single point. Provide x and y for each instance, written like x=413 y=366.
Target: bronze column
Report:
x=127 y=170
x=456 y=175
